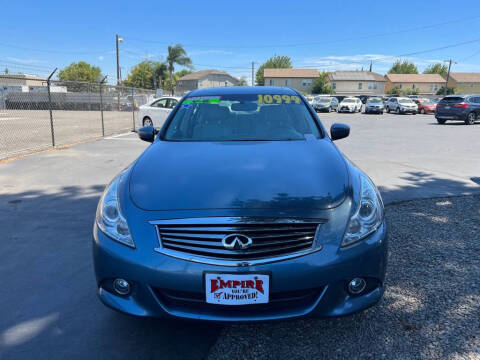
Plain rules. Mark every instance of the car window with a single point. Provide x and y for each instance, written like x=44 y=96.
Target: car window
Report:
x=405 y=101
x=171 y=103
x=348 y=101
x=452 y=99
x=160 y=103
x=242 y=117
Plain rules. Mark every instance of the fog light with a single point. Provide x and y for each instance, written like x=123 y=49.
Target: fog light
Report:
x=356 y=286
x=121 y=286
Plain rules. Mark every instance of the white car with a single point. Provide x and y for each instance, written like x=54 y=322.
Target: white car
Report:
x=350 y=104
x=155 y=112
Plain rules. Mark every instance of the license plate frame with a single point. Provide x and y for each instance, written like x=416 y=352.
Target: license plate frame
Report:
x=250 y=288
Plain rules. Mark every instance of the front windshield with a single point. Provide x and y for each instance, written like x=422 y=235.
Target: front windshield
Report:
x=348 y=101
x=428 y=102
x=405 y=101
x=242 y=117
x=374 y=100
x=323 y=100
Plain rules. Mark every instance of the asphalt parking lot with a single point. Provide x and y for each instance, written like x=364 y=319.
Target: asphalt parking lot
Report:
x=430 y=310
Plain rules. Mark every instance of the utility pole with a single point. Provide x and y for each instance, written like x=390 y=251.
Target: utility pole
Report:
x=448 y=75
x=117 y=40
x=253 y=71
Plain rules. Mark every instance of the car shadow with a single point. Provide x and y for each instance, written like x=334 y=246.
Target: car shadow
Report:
x=50 y=309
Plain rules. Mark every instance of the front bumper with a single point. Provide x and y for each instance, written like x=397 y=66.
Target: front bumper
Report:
x=346 y=109
x=377 y=110
x=311 y=285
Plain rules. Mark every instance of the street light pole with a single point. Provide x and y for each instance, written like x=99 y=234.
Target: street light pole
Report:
x=448 y=75
x=118 y=39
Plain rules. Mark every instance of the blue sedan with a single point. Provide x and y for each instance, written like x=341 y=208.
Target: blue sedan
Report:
x=242 y=209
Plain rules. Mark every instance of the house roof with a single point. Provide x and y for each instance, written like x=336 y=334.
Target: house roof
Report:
x=465 y=77
x=415 y=78
x=197 y=75
x=355 y=76
x=290 y=73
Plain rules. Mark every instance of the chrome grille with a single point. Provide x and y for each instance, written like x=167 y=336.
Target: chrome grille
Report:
x=270 y=237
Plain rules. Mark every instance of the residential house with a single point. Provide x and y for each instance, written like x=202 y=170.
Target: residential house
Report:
x=299 y=79
x=357 y=83
x=465 y=83
x=205 y=79
x=427 y=84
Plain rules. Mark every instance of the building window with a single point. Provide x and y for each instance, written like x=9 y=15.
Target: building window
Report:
x=360 y=86
x=226 y=83
x=271 y=83
x=435 y=87
x=370 y=86
x=334 y=85
x=399 y=86
x=307 y=82
x=414 y=86
x=287 y=82
x=471 y=85
x=375 y=86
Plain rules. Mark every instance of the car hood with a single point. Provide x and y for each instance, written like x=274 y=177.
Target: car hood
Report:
x=262 y=175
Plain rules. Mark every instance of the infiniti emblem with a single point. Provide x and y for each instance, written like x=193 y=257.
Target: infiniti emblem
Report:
x=236 y=242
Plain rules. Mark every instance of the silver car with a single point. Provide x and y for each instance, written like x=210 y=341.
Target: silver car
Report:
x=401 y=105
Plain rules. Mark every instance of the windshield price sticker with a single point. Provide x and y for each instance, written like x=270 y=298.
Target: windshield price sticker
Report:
x=230 y=289
x=278 y=99
x=202 y=100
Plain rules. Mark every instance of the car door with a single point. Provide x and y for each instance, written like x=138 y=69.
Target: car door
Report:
x=159 y=111
x=335 y=103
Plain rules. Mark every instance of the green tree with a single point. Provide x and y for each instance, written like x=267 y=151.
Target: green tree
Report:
x=450 y=91
x=160 y=74
x=275 y=62
x=396 y=90
x=403 y=67
x=141 y=75
x=81 y=71
x=320 y=85
x=242 y=81
x=437 y=68
x=177 y=55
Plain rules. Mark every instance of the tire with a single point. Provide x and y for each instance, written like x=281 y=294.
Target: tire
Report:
x=441 y=121
x=147 y=121
x=397 y=111
x=387 y=110
x=470 y=119
x=330 y=109
x=422 y=111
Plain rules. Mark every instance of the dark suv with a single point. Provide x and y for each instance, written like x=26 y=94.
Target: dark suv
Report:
x=458 y=107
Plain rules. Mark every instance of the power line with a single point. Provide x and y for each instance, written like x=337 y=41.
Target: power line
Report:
x=376 y=59
x=54 y=51
x=313 y=42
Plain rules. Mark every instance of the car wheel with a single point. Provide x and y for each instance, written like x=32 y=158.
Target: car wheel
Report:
x=387 y=110
x=398 y=111
x=381 y=113
x=441 y=121
x=147 y=121
x=470 y=120
x=422 y=111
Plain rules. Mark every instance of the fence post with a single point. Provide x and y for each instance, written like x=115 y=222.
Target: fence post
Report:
x=101 y=105
x=50 y=107
x=133 y=110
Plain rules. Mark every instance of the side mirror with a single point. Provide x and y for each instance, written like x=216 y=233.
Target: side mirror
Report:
x=146 y=133
x=339 y=131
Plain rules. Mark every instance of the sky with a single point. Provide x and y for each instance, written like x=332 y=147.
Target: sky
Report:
x=37 y=36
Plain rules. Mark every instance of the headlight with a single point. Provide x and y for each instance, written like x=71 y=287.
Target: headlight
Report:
x=109 y=216
x=368 y=216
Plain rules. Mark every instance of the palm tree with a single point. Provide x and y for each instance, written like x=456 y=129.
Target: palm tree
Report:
x=177 y=55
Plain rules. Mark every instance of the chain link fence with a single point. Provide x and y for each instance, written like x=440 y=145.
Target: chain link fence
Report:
x=37 y=114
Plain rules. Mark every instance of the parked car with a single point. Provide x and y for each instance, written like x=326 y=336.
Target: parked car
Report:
x=458 y=107
x=350 y=104
x=401 y=105
x=242 y=209
x=155 y=112
x=327 y=104
x=426 y=106
x=310 y=99
x=374 y=105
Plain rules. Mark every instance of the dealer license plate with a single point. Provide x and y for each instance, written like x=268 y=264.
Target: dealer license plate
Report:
x=242 y=289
